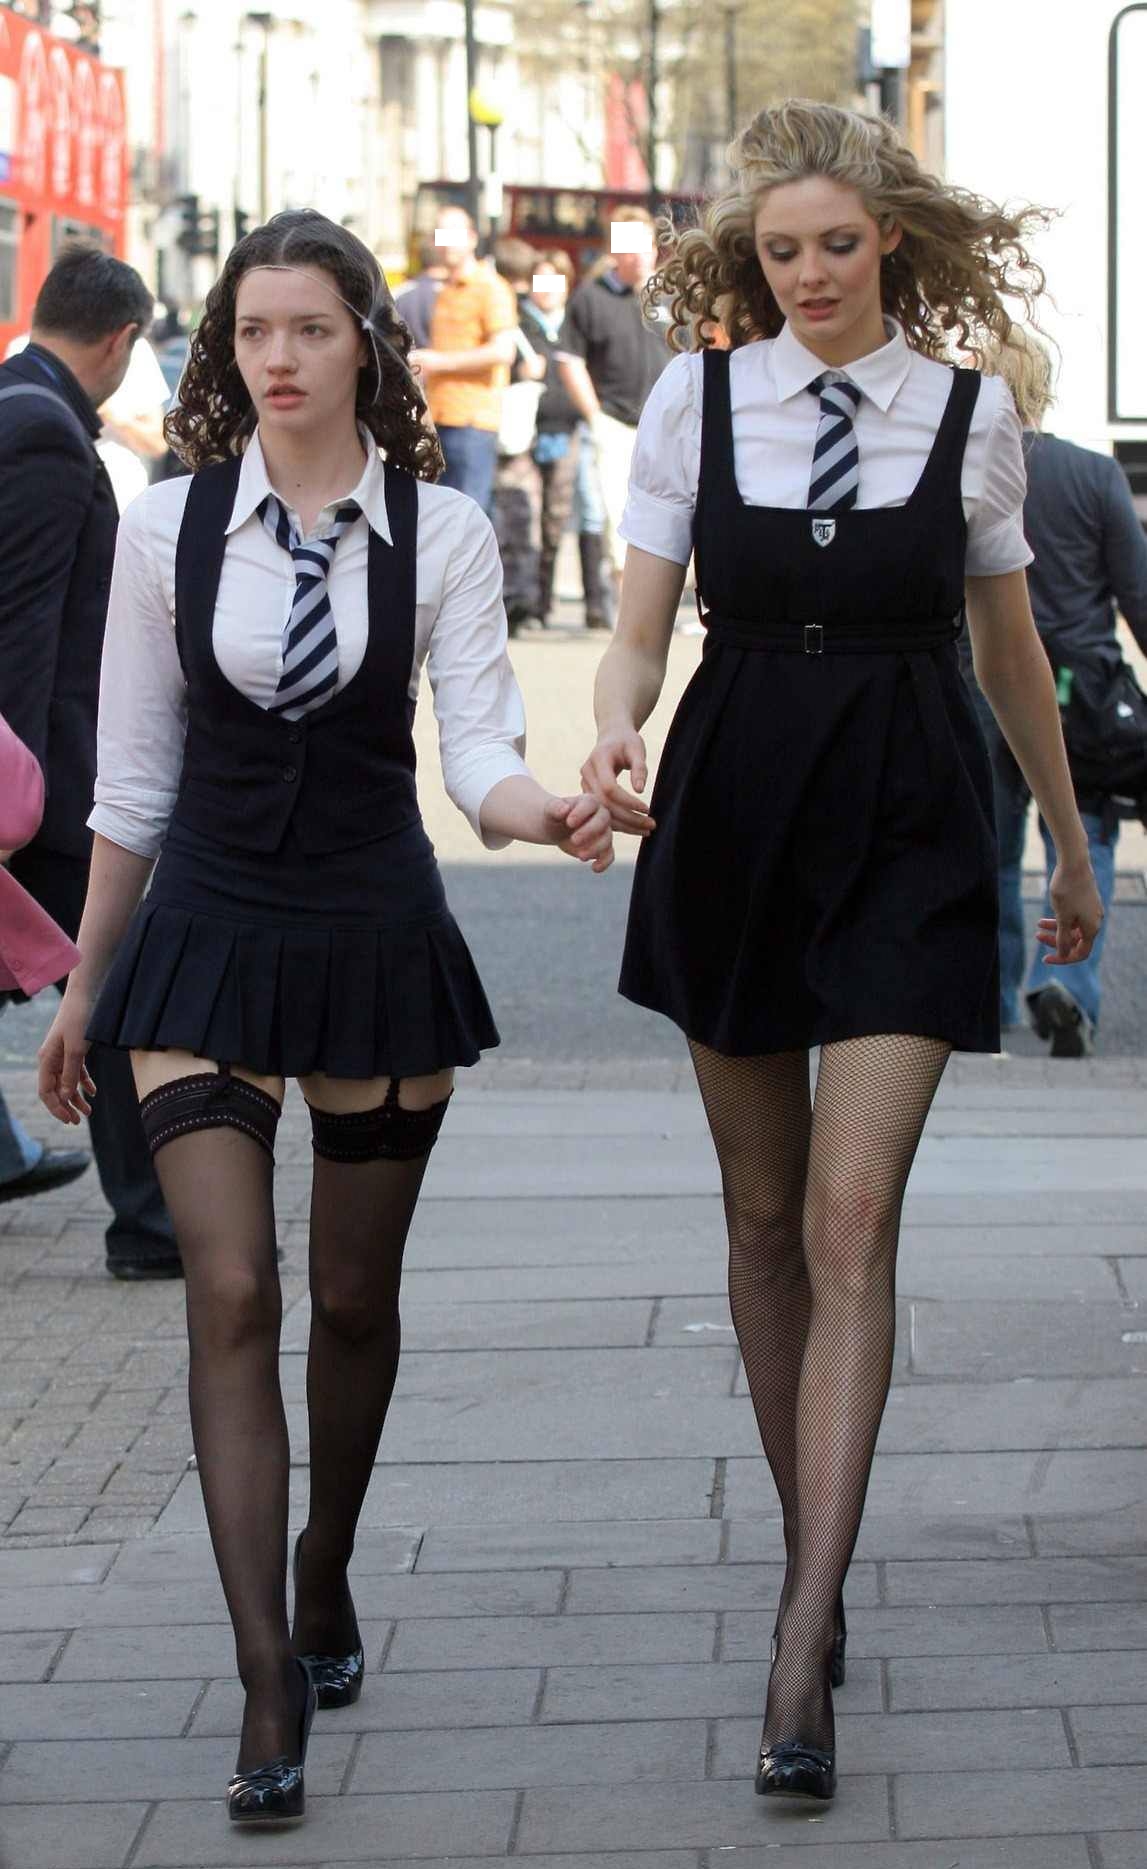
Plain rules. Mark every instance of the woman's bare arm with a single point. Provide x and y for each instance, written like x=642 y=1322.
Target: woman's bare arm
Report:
x=116 y=882
x=629 y=683
x=1015 y=675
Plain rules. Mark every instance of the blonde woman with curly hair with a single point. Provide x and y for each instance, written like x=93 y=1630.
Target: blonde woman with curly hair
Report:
x=818 y=863
x=268 y=622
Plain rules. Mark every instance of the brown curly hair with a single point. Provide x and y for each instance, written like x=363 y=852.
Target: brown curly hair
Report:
x=214 y=415
x=945 y=283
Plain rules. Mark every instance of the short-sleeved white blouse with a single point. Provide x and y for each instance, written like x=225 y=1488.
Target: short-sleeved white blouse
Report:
x=774 y=429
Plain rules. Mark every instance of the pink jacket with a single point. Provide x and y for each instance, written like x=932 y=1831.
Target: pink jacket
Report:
x=33 y=950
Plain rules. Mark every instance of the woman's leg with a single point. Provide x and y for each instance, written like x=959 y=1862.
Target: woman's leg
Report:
x=211 y=1132
x=372 y=1143
x=872 y=1099
x=760 y=1114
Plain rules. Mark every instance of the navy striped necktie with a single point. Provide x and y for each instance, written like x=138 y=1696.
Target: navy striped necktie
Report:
x=835 y=461
x=310 y=643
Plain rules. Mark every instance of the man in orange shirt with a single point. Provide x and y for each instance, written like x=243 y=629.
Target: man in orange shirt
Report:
x=467 y=365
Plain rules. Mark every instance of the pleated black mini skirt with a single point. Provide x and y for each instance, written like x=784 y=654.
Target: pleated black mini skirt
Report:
x=349 y=962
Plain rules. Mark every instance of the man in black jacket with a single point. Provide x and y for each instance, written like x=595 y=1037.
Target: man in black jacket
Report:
x=1090 y=562
x=58 y=523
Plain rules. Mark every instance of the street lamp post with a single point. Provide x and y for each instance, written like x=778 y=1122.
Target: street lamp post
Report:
x=731 y=69
x=264 y=22
x=654 y=72
x=471 y=125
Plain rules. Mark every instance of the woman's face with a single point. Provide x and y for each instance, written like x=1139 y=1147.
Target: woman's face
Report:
x=820 y=251
x=549 y=293
x=298 y=348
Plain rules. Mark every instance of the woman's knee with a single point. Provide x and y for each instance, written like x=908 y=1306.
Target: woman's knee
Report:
x=850 y=1230
x=353 y=1309
x=230 y=1307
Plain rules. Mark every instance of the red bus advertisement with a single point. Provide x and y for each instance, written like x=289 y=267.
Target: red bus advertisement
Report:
x=63 y=160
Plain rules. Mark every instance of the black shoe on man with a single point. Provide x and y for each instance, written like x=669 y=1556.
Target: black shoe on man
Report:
x=1056 y=1015
x=55 y=1168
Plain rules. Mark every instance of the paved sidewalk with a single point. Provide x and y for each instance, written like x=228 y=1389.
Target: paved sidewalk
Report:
x=570 y=1557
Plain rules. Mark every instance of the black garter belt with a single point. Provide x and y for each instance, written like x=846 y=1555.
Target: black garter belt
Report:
x=209 y=1100
x=386 y=1133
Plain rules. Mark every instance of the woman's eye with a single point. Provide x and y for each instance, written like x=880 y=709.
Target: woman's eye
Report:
x=844 y=246
x=782 y=258
x=314 y=330
x=248 y=331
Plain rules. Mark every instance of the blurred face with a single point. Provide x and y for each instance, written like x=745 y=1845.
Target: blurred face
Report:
x=549 y=296
x=820 y=251
x=633 y=269
x=298 y=348
x=462 y=240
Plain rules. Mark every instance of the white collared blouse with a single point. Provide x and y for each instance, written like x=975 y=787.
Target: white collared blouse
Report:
x=460 y=633
x=774 y=429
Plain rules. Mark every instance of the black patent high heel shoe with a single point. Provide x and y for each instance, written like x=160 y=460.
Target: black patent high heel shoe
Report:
x=836 y=1668
x=337 y=1678
x=275 y=1793
x=793 y=1769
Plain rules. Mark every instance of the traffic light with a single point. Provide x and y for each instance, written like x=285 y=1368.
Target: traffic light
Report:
x=199 y=228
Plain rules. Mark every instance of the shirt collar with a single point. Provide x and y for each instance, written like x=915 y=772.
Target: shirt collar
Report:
x=370 y=493
x=879 y=375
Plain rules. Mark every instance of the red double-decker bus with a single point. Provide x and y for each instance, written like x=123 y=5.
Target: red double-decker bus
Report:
x=63 y=160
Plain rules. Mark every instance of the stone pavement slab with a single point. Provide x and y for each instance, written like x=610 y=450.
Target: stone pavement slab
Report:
x=571 y=1550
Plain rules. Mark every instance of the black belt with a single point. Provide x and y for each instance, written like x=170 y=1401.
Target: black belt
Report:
x=901 y=638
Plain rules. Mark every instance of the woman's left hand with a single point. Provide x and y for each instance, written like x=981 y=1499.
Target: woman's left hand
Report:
x=581 y=827
x=1072 y=930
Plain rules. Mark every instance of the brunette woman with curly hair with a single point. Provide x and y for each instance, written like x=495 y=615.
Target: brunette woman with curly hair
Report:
x=819 y=866
x=269 y=619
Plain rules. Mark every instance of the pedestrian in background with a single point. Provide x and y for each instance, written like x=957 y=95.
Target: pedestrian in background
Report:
x=467 y=364
x=58 y=522
x=557 y=448
x=130 y=442
x=1090 y=561
x=611 y=356
x=416 y=299
x=269 y=621
x=517 y=510
x=818 y=866
x=34 y=952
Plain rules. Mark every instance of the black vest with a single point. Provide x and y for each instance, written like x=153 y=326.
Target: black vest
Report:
x=895 y=571
x=342 y=775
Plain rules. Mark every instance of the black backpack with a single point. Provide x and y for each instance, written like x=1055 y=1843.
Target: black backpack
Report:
x=1104 y=714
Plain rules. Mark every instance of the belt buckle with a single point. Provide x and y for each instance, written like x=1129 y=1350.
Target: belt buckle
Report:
x=814 y=639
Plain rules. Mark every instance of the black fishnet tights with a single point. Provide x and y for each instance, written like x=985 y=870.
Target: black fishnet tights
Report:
x=813 y=1193
x=218 y=1187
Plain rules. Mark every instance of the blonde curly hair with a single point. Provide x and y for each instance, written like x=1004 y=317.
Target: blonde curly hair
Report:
x=959 y=258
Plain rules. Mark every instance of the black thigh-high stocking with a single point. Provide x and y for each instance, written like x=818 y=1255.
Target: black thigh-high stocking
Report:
x=872 y=1099
x=760 y=1114
x=217 y=1183
x=360 y=1216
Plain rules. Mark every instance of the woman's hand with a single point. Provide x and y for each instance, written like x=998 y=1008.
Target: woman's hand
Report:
x=615 y=752
x=581 y=827
x=64 y=1084
x=1071 y=931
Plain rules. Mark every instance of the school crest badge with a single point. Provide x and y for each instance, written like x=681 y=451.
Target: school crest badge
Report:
x=824 y=531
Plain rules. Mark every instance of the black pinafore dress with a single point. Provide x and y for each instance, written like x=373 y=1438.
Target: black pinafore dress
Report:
x=299 y=957
x=824 y=862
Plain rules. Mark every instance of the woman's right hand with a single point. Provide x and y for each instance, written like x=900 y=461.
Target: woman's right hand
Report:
x=621 y=750
x=65 y=1085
